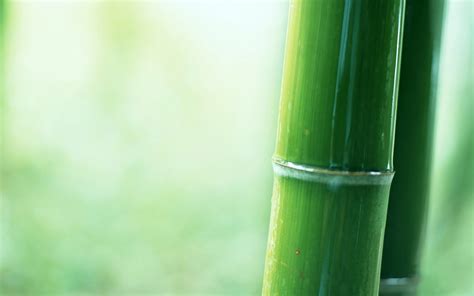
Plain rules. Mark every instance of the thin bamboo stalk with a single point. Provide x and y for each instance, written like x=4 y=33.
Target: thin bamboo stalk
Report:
x=333 y=159
x=413 y=146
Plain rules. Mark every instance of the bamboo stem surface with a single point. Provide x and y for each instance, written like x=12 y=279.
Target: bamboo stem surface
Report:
x=413 y=146
x=333 y=158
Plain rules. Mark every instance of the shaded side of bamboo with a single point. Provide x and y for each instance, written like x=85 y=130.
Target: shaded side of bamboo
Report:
x=333 y=158
x=414 y=139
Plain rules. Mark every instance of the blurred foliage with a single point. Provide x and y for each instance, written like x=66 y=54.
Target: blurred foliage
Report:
x=137 y=139
x=138 y=144
x=448 y=259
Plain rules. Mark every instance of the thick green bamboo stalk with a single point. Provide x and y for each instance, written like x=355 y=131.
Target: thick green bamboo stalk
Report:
x=413 y=146
x=333 y=159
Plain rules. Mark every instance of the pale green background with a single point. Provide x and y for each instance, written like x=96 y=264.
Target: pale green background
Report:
x=137 y=139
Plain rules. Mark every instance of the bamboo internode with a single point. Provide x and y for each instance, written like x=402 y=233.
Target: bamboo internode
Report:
x=413 y=146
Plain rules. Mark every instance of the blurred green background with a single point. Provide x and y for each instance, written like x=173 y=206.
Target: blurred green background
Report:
x=136 y=143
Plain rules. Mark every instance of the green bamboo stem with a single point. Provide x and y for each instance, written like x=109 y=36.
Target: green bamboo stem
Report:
x=413 y=146
x=333 y=158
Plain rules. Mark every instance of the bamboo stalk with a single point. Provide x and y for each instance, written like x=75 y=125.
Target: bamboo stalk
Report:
x=333 y=159
x=413 y=146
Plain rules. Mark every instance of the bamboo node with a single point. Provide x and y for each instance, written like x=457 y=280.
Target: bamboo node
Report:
x=332 y=177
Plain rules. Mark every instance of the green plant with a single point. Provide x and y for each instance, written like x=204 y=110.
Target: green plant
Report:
x=413 y=146
x=333 y=159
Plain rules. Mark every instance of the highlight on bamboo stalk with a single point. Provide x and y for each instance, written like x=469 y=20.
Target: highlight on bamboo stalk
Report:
x=333 y=159
x=413 y=147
